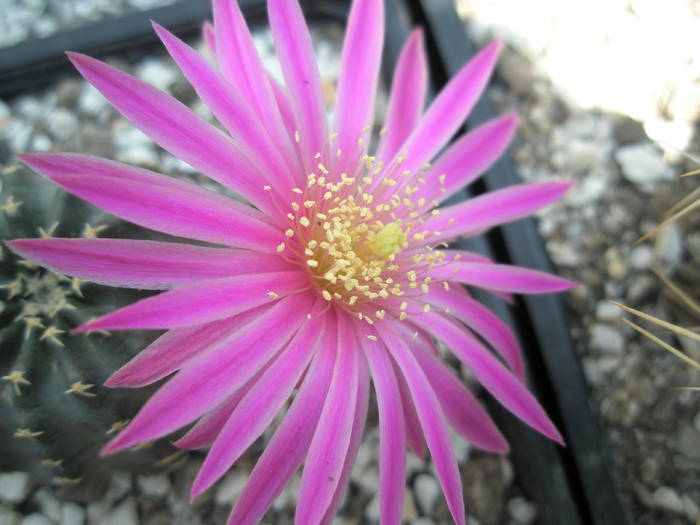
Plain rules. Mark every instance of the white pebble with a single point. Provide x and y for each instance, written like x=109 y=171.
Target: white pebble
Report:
x=62 y=124
x=154 y=486
x=427 y=492
x=37 y=519
x=522 y=511
x=669 y=245
x=643 y=165
x=157 y=73
x=607 y=339
x=124 y=514
x=230 y=487
x=72 y=514
x=14 y=486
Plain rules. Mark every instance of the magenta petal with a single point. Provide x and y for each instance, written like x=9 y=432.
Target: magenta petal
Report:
x=209 y=35
x=392 y=434
x=357 y=84
x=495 y=377
x=174 y=349
x=461 y=408
x=432 y=421
x=241 y=66
x=301 y=76
x=287 y=448
x=174 y=127
x=230 y=109
x=502 y=277
x=198 y=303
x=491 y=209
x=204 y=432
x=358 y=427
x=447 y=113
x=408 y=89
x=140 y=264
x=156 y=201
x=483 y=321
x=414 y=434
x=213 y=376
x=331 y=441
x=259 y=406
x=470 y=156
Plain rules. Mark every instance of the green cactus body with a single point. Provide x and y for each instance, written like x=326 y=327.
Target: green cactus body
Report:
x=55 y=416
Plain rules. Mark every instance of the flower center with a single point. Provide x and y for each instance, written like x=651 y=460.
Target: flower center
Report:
x=351 y=232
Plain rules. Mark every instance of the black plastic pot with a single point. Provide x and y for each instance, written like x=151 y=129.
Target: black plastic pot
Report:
x=573 y=485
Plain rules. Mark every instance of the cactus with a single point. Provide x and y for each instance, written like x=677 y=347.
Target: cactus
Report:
x=54 y=414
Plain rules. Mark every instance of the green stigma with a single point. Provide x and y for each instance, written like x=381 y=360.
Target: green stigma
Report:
x=387 y=242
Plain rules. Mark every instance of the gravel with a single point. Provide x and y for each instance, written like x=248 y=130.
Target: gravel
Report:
x=624 y=183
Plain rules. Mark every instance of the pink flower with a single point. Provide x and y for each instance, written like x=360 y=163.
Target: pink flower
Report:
x=332 y=278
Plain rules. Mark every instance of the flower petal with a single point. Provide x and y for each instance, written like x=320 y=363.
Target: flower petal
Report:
x=259 y=406
x=240 y=64
x=358 y=427
x=230 y=109
x=392 y=434
x=301 y=76
x=493 y=208
x=449 y=110
x=495 y=377
x=142 y=264
x=287 y=448
x=156 y=201
x=432 y=421
x=483 y=321
x=213 y=376
x=209 y=35
x=357 y=84
x=501 y=277
x=408 y=89
x=414 y=434
x=198 y=303
x=468 y=158
x=176 y=128
x=461 y=408
x=175 y=348
x=204 y=432
x=330 y=444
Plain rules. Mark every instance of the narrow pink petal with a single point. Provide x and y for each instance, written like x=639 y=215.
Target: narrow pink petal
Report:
x=408 y=89
x=198 y=303
x=287 y=448
x=156 y=201
x=495 y=377
x=502 y=277
x=358 y=427
x=212 y=377
x=240 y=64
x=301 y=76
x=483 y=321
x=204 y=432
x=175 y=348
x=392 y=434
x=414 y=434
x=432 y=421
x=331 y=441
x=230 y=109
x=357 y=84
x=284 y=105
x=176 y=128
x=209 y=35
x=142 y=264
x=497 y=207
x=259 y=406
x=461 y=408
x=449 y=110
x=469 y=157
